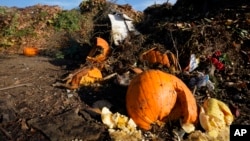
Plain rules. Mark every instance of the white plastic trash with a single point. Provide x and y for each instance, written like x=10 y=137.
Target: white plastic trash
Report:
x=121 y=25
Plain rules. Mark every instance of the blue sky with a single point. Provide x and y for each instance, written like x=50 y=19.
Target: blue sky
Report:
x=69 y=4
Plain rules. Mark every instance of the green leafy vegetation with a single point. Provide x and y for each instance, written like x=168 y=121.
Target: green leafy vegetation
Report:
x=11 y=32
x=2 y=10
x=11 y=28
x=68 y=20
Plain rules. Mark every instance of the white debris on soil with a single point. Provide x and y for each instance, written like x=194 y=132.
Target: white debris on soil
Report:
x=120 y=126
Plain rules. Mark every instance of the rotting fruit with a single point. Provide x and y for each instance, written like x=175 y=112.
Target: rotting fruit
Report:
x=81 y=77
x=214 y=116
x=154 y=56
x=153 y=94
x=99 y=52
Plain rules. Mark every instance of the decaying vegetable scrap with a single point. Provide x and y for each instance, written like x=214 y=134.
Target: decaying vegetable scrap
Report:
x=90 y=73
x=81 y=77
x=150 y=101
x=120 y=126
x=99 y=52
x=154 y=56
x=215 y=116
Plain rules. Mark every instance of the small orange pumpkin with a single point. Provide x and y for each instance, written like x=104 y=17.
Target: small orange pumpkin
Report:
x=153 y=94
x=30 y=51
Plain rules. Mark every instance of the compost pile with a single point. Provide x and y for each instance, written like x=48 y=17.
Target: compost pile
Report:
x=207 y=49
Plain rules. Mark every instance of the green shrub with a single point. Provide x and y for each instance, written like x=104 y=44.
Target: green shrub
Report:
x=12 y=27
x=68 y=20
x=2 y=10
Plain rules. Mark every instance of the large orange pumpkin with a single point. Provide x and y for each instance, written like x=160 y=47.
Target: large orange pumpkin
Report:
x=153 y=94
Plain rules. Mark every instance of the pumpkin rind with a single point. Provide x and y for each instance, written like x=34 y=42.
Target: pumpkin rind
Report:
x=94 y=74
x=152 y=95
x=100 y=44
x=154 y=56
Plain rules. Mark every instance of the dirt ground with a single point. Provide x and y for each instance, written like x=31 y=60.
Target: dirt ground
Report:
x=32 y=109
x=35 y=110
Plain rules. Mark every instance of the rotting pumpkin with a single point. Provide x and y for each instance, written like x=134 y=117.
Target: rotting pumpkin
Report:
x=99 y=52
x=154 y=56
x=153 y=94
x=81 y=77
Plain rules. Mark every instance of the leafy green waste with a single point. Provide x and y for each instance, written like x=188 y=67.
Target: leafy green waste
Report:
x=68 y=20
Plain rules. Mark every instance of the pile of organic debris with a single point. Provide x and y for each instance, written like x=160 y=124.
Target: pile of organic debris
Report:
x=197 y=52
